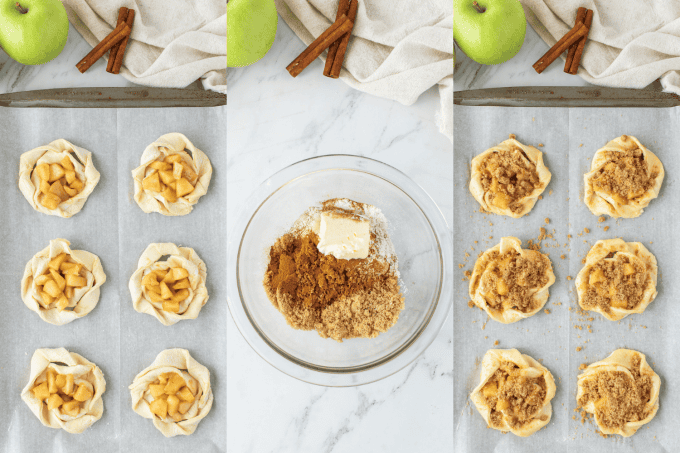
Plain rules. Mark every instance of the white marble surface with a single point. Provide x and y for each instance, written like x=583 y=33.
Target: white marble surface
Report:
x=273 y=121
x=518 y=71
x=60 y=72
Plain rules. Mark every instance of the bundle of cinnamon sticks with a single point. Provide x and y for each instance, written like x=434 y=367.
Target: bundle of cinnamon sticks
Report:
x=574 y=42
x=116 y=42
x=335 y=39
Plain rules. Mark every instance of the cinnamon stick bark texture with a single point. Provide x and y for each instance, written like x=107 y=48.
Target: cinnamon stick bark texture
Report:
x=343 y=8
x=581 y=44
x=344 y=41
x=576 y=33
x=122 y=16
x=580 y=18
x=332 y=34
x=104 y=46
x=118 y=62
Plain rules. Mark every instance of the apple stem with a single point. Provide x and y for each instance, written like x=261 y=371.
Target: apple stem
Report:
x=478 y=8
x=21 y=9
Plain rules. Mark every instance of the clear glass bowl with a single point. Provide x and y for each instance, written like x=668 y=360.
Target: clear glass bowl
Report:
x=422 y=241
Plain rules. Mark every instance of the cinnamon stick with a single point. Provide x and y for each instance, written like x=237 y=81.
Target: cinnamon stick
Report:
x=563 y=44
x=117 y=35
x=580 y=17
x=118 y=62
x=122 y=15
x=581 y=44
x=343 y=8
x=342 y=48
x=332 y=34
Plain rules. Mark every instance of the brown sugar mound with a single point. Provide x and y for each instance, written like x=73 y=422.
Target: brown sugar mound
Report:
x=619 y=283
x=514 y=279
x=618 y=398
x=625 y=176
x=514 y=394
x=337 y=298
x=510 y=176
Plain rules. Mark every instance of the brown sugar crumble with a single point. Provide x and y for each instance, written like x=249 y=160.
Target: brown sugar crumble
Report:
x=509 y=176
x=606 y=228
x=579 y=349
x=496 y=343
x=511 y=279
x=601 y=219
x=618 y=398
x=509 y=391
x=618 y=282
x=625 y=176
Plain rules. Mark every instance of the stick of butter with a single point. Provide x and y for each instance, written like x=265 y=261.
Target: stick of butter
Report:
x=343 y=237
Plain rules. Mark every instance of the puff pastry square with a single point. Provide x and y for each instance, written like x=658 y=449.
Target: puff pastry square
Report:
x=174 y=374
x=85 y=384
x=172 y=176
x=514 y=392
x=511 y=283
x=618 y=279
x=623 y=178
x=171 y=290
x=57 y=179
x=61 y=284
x=508 y=178
x=621 y=391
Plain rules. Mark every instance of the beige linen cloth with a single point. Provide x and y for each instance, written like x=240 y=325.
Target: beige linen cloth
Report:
x=631 y=43
x=174 y=42
x=397 y=51
x=83 y=371
x=173 y=361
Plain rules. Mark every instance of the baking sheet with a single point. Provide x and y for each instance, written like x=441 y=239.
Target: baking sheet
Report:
x=570 y=138
x=119 y=340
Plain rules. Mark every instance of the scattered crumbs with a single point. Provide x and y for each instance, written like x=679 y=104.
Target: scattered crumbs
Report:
x=583 y=261
x=490 y=223
x=513 y=136
x=547 y=220
x=568 y=277
x=467 y=255
x=651 y=242
x=476 y=242
x=495 y=343
x=540 y=145
x=579 y=349
x=582 y=366
x=569 y=236
x=606 y=228
x=533 y=118
x=471 y=304
x=601 y=219
x=490 y=237
x=547 y=311
x=562 y=256
x=550 y=192
x=467 y=274
x=540 y=197
x=486 y=337
x=586 y=230
x=581 y=145
x=460 y=265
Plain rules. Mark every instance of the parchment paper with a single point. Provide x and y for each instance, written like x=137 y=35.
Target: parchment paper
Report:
x=554 y=338
x=119 y=340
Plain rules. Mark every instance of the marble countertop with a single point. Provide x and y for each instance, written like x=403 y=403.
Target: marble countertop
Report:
x=61 y=72
x=274 y=121
x=518 y=71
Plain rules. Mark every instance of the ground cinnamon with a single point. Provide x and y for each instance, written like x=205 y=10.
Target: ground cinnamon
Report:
x=339 y=299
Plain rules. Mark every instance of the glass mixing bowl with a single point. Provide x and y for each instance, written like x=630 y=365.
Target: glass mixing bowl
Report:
x=424 y=249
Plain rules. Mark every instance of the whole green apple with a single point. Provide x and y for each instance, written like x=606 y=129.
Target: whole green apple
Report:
x=33 y=31
x=251 y=29
x=489 y=31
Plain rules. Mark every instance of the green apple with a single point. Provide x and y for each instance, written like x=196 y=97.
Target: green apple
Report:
x=33 y=31
x=489 y=31
x=251 y=29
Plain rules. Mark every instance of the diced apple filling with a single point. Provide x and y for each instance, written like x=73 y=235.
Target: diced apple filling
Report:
x=58 y=283
x=59 y=391
x=172 y=177
x=58 y=183
x=168 y=287
x=172 y=396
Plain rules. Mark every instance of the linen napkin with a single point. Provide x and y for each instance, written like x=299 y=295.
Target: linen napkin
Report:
x=398 y=50
x=173 y=42
x=631 y=43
